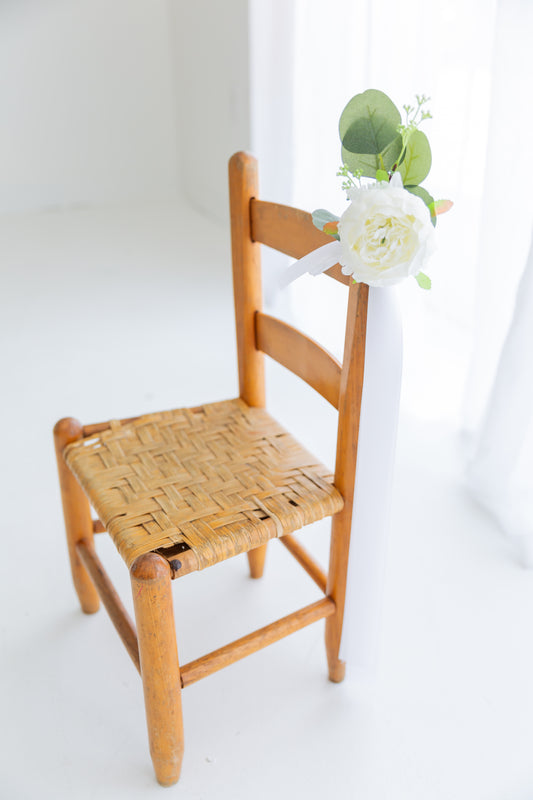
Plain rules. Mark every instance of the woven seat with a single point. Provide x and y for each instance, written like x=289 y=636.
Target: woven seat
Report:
x=220 y=479
x=181 y=490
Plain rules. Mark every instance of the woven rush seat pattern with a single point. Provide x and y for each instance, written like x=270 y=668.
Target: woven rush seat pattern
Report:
x=222 y=478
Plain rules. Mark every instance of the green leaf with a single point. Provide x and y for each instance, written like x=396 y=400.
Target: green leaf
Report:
x=424 y=195
x=369 y=163
x=440 y=206
x=368 y=131
x=423 y=281
x=321 y=216
x=373 y=117
x=416 y=163
x=382 y=176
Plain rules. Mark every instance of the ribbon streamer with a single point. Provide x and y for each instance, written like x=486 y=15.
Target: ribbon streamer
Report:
x=373 y=484
x=375 y=467
x=314 y=263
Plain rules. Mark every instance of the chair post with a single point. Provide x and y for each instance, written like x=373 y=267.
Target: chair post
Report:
x=347 y=439
x=247 y=291
x=154 y=613
x=77 y=514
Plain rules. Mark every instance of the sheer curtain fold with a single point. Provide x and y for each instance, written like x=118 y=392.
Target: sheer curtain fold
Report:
x=498 y=406
x=499 y=474
x=471 y=59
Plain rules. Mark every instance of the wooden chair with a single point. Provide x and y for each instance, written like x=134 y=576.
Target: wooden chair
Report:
x=181 y=490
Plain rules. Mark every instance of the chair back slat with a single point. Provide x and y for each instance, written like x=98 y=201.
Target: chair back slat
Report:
x=290 y=231
x=300 y=354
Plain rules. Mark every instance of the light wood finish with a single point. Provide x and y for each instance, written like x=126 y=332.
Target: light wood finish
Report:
x=346 y=460
x=112 y=602
x=291 y=231
x=256 y=561
x=313 y=569
x=222 y=479
x=202 y=667
x=152 y=598
x=247 y=292
x=180 y=490
x=181 y=563
x=246 y=259
x=300 y=354
x=77 y=514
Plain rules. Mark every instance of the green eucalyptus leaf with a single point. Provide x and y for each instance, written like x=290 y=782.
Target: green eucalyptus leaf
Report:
x=368 y=129
x=423 y=281
x=416 y=162
x=373 y=117
x=369 y=163
x=424 y=195
x=321 y=216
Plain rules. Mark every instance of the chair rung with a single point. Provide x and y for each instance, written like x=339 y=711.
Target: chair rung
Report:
x=112 y=602
x=98 y=526
x=224 y=656
x=306 y=560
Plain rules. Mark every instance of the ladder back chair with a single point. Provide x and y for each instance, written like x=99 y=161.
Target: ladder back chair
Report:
x=181 y=490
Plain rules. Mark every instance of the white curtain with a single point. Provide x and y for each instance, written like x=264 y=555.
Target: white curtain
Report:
x=471 y=58
x=442 y=50
x=499 y=390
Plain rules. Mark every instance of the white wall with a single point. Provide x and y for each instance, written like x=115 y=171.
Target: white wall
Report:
x=213 y=91
x=135 y=100
x=88 y=104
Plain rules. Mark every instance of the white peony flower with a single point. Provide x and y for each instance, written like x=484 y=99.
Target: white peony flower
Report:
x=385 y=233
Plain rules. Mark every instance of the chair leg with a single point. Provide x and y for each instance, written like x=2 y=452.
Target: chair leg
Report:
x=336 y=589
x=152 y=598
x=256 y=560
x=77 y=513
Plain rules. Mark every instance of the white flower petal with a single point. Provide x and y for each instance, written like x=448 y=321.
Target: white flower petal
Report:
x=385 y=234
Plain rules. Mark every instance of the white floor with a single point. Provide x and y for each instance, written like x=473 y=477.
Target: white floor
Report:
x=117 y=313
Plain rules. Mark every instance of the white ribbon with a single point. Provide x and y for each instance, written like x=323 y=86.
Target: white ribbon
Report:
x=314 y=263
x=373 y=484
x=375 y=467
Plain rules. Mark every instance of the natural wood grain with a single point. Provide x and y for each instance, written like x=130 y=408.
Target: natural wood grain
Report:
x=256 y=560
x=77 y=514
x=246 y=259
x=306 y=560
x=202 y=667
x=112 y=602
x=247 y=292
x=181 y=563
x=301 y=354
x=152 y=598
x=177 y=500
x=291 y=231
x=345 y=466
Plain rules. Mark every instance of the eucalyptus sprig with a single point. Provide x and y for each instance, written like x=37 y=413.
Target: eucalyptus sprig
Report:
x=352 y=180
x=385 y=234
x=376 y=144
x=413 y=118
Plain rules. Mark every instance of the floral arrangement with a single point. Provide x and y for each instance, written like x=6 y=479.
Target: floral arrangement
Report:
x=387 y=231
